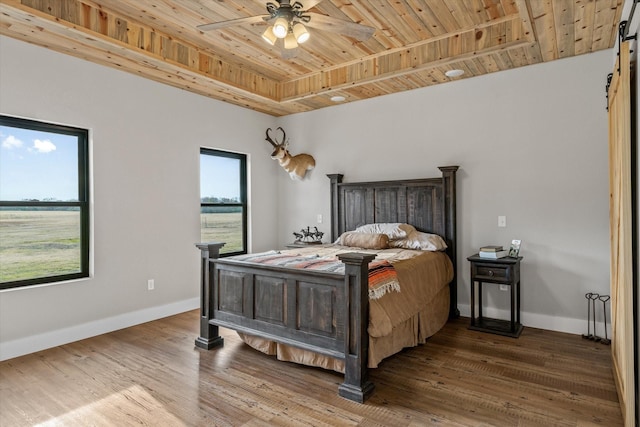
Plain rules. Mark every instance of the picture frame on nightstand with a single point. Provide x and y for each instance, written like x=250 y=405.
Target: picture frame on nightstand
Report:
x=514 y=249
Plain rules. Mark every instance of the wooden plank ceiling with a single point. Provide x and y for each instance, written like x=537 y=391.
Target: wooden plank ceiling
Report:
x=415 y=42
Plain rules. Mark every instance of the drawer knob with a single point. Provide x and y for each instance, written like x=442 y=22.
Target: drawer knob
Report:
x=490 y=272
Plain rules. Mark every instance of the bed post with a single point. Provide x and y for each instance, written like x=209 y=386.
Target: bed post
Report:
x=356 y=386
x=336 y=179
x=209 y=335
x=449 y=180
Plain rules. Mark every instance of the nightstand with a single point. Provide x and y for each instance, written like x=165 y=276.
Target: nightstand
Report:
x=501 y=271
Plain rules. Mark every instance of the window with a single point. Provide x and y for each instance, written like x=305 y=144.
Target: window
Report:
x=223 y=200
x=44 y=202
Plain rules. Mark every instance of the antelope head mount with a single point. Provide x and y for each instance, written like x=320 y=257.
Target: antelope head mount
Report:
x=297 y=166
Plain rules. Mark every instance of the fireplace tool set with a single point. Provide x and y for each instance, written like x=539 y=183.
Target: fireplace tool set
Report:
x=591 y=317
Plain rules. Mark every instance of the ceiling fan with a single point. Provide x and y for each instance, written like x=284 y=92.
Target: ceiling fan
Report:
x=287 y=22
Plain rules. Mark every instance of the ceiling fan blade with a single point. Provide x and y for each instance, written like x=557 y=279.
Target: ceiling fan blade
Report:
x=223 y=24
x=308 y=4
x=340 y=26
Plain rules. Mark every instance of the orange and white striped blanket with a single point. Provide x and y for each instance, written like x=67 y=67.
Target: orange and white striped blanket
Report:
x=382 y=275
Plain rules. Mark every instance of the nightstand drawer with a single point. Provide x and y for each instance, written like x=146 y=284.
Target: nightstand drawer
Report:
x=492 y=273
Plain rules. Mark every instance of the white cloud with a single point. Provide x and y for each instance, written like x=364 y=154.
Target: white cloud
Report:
x=11 y=142
x=45 y=146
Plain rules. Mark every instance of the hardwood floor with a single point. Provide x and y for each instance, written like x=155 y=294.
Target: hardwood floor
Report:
x=153 y=375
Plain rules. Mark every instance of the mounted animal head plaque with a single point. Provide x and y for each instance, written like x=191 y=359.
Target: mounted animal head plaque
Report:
x=298 y=165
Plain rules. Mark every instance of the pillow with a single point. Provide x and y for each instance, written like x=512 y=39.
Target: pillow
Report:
x=420 y=241
x=364 y=240
x=392 y=229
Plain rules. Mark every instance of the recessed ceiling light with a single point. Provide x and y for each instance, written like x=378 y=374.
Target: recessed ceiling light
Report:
x=454 y=73
x=338 y=98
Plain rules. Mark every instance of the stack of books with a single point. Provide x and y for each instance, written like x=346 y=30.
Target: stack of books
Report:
x=492 y=252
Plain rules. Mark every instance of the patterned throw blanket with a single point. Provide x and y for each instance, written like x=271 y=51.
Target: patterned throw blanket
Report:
x=382 y=276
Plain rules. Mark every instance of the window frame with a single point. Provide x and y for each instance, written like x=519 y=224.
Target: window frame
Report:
x=83 y=203
x=243 y=194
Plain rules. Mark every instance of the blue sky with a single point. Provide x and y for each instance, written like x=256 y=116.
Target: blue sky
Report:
x=42 y=165
x=37 y=165
x=219 y=177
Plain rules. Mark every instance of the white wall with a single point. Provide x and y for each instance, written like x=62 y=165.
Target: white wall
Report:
x=531 y=144
x=145 y=140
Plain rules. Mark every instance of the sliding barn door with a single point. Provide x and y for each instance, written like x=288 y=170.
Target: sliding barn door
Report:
x=621 y=233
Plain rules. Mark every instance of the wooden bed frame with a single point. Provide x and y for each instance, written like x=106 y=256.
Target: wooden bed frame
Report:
x=326 y=313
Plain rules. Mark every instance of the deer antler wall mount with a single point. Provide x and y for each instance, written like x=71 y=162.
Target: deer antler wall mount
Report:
x=298 y=165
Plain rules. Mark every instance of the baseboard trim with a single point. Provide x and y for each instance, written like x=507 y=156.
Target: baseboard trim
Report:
x=543 y=321
x=22 y=346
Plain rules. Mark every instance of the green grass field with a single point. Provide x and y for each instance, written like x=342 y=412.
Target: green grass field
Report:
x=38 y=244
x=222 y=227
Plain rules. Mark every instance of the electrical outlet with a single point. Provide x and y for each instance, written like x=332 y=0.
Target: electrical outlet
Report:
x=319 y=218
x=504 y=287
x=502 y=221
x=151 y=284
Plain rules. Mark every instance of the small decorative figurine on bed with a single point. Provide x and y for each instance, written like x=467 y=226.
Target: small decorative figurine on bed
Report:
x=309 y=237
x=298 y=165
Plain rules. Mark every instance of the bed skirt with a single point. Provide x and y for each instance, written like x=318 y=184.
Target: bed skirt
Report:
x=409 y=333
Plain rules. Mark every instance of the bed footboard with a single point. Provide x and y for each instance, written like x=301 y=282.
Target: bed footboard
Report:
x=326 y=313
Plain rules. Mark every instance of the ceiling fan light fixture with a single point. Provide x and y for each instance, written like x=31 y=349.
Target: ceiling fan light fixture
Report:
x=290 y=41
x=281 y=27
x=300 y=33
x=269 y=36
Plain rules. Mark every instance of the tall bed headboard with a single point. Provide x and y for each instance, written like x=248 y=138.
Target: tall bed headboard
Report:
x=428 y=204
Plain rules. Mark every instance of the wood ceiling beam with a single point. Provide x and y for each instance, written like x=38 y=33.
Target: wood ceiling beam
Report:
x=525 y=15
x=408 y=70
x=102 y=31
x=499 y=35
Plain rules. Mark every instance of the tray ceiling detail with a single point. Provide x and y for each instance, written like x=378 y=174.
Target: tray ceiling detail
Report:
x=414 y=44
